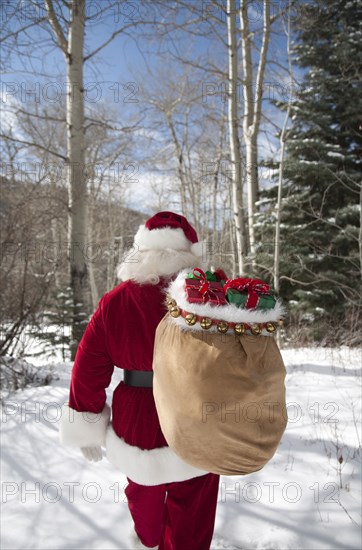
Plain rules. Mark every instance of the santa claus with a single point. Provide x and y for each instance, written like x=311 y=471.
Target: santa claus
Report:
x=172 y=503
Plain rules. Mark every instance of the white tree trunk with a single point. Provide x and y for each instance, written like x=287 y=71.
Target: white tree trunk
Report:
x=237 y=195
x=278 y=208
x=180 y=164
x=252 y=109
x=92 y=239
x=76 y=173
x=54 y=226
x=73 y=50
x=360 y=230
x=214 y=208
x=283 y=136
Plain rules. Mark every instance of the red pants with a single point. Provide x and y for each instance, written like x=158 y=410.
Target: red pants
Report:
x=175 y=516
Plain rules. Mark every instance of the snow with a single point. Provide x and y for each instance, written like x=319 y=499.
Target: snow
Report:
x=335 y=154
x=307 y=497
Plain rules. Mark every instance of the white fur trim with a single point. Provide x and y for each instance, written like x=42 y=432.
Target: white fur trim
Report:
x=199 y=249
x=148 y=467
x=159 y=239
x=83 y=429
x=146 y=266
x=229 y=313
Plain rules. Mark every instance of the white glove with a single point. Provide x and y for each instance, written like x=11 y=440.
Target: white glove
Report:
x=93 y=454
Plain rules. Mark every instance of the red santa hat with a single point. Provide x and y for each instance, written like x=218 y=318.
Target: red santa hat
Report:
x=167 y=230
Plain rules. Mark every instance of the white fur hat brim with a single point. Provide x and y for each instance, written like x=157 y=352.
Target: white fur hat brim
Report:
x=159 y=239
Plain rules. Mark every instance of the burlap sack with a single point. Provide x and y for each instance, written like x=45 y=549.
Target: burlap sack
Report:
x=220 y=398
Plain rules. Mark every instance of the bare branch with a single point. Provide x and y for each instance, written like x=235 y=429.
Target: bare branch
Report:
x=46 y=116
x=113 y=36
x=36 y=145
x=14 y=34
x=62 y=41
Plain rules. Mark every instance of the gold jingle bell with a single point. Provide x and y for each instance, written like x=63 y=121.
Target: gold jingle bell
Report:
x=170 y=302
x=239 y=328
x=255 y=329
x=175 y=311
x=280 y=322
x=270 y=327
x=190 y=319
x=205 y=322
x=222 y=327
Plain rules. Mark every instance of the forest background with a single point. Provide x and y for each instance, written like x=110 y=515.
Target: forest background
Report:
x=244 y=116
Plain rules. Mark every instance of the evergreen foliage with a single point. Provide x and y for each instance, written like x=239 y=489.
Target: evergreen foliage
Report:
x=53 y=332
x=321 y=195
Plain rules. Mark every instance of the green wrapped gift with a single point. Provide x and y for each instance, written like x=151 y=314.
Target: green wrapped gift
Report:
x=209 y=276
x=240 y=299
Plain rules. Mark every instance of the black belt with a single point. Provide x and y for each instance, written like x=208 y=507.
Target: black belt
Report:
x=138 y=378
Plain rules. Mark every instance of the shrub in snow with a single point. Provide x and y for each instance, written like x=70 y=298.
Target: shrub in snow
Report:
x=17 y=374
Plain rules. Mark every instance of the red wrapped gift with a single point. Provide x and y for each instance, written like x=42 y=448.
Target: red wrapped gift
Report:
x=200 y=290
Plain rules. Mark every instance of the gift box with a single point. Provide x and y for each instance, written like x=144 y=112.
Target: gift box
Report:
x=199 y=290
x=240 y=299
x=210 y=276
x=249 y=294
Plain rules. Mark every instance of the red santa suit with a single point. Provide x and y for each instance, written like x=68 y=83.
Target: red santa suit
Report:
x=172 y=503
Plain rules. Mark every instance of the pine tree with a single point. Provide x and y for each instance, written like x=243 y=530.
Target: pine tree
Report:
x=321 y=204
x=53 y=333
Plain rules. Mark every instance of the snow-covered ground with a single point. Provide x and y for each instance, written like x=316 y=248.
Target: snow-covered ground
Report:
x=307 y=497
